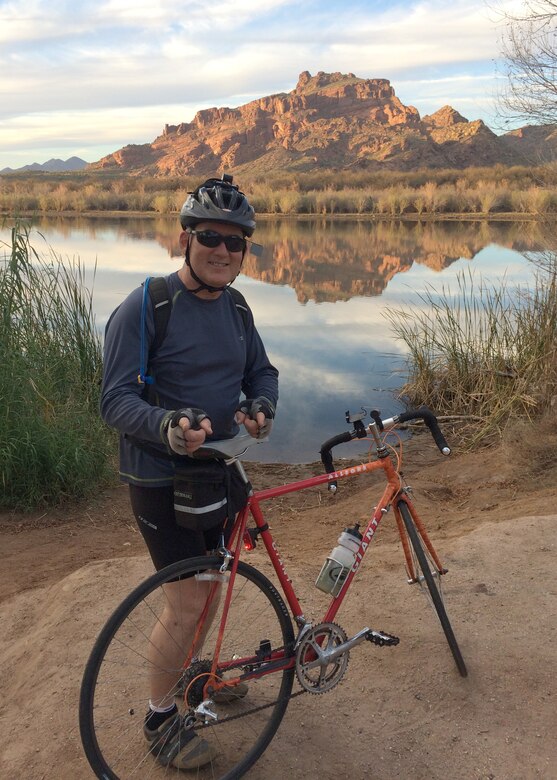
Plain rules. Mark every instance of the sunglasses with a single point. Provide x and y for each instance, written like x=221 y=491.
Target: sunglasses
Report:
x=212 y=239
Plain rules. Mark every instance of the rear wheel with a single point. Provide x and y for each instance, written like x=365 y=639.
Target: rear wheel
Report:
x=118 y=679
x=426 y=573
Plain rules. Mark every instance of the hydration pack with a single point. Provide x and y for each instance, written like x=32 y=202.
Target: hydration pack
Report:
x=156 y=288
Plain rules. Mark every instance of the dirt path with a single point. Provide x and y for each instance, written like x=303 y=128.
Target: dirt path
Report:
x=400 y=712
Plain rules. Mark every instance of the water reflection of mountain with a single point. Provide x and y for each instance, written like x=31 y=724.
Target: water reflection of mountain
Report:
x=332 y=261
x=329 y=260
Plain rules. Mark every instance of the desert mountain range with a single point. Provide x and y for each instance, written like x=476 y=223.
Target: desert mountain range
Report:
x=54 y=165
x=329 y=121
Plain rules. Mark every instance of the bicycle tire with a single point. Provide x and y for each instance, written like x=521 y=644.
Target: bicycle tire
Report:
x=115 y=688
x=434 y=592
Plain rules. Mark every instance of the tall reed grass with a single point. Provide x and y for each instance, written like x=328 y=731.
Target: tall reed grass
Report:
x=53 y=445
x=486 y=353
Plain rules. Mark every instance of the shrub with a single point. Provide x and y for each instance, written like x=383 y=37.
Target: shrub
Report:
x=486 y=353
x=289 y=201
x=53 y=444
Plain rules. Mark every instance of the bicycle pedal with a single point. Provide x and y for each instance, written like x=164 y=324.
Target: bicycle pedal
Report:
x=381 y=638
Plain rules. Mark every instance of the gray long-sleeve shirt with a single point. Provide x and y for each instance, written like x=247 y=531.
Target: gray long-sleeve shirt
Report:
x=208 y=357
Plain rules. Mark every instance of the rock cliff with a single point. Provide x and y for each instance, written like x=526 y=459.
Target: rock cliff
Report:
x=330 y=121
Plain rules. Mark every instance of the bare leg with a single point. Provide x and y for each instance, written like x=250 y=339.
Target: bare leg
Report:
x=172 y=636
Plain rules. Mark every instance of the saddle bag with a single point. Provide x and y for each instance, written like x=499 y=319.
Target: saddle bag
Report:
x=206 y=494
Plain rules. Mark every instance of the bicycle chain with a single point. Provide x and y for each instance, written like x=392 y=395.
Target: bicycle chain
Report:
x=243 y=665
x=253 y=710
x=248 y=712
x=375 y=640
x=245 y=713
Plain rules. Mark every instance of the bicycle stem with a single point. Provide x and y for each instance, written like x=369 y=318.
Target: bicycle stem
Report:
x=380 y=447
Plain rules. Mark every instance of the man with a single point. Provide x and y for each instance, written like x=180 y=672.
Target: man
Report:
x=209 y=355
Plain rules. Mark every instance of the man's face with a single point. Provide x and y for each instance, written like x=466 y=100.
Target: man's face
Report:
x=216 y=266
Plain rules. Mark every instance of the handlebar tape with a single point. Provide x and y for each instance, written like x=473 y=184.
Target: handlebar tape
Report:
x=425 y=414
x=325 y=451
x=327 y=458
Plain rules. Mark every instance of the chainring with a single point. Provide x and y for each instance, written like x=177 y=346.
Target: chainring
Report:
x=315 y=672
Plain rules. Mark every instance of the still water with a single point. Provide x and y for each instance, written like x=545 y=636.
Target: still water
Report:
x=318 y=294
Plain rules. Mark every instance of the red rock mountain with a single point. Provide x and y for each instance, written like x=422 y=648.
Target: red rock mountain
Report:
x=330 y=121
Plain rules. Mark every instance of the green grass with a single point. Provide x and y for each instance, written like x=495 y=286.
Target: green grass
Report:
x=53 y=445
x=484 y=353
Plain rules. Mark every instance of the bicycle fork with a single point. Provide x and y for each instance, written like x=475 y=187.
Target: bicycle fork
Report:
x=413 y=575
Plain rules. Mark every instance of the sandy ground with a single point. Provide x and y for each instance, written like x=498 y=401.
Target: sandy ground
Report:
x=401 y=712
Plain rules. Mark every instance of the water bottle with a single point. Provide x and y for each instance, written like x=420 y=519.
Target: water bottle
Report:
x=335 y=569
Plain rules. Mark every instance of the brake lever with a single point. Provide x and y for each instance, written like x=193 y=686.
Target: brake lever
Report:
x=360 y=429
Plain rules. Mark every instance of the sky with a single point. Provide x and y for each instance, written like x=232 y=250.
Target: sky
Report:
x=85 y=78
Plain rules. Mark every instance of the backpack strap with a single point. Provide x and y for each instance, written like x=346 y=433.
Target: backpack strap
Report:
x=156 y=290
x=159 y=295
x=241 y=304
x=162 y=308
x=156 y=287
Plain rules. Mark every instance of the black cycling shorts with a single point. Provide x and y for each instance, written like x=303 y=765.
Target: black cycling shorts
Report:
x=166 y=541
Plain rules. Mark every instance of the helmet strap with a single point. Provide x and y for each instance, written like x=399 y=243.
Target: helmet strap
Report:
x=202 y=285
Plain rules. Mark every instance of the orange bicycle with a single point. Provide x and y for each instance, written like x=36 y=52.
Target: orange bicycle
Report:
x=248 y=644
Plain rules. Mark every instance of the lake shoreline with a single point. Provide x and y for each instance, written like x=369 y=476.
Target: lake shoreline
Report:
x=269 y=217
x=319 y=294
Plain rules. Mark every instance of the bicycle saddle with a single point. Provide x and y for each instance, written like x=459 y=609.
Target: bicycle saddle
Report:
x=227 y=448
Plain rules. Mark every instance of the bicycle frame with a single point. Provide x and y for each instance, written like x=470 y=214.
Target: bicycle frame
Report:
x=250 y=639
x=393 y=494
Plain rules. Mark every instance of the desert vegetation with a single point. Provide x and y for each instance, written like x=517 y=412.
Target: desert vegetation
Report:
x=483 y=354
x=53 y=444
x=473 y=191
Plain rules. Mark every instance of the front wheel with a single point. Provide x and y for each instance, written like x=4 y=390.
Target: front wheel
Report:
x=425 y=573
x=146 y=646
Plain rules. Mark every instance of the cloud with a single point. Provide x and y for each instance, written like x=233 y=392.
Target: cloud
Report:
x=76 y=128
x=55 y=20
x=160 y=62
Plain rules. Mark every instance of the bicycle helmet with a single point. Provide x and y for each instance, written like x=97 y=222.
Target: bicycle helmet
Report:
x=218 y=200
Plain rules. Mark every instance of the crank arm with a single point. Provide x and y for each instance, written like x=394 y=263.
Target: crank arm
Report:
x=326 y=656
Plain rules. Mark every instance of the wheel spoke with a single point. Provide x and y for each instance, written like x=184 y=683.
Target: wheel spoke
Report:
x=146 y=642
